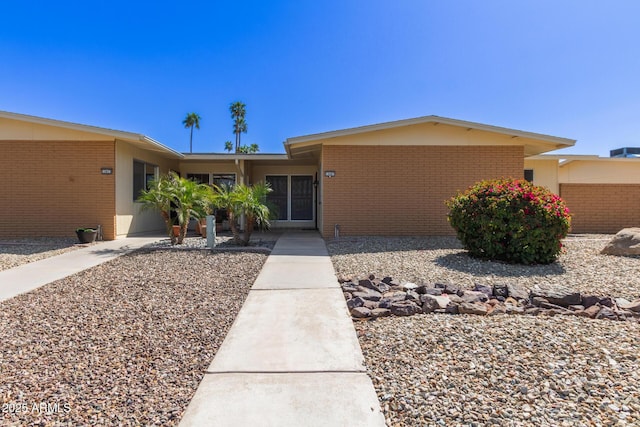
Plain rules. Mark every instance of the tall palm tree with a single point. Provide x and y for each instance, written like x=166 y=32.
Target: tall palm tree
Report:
x=238 y=111
x=190 y=121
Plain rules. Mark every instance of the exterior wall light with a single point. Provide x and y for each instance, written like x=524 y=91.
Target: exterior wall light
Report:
x=329 y=174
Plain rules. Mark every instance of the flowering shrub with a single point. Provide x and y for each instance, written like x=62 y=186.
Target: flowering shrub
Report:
x=510 y=220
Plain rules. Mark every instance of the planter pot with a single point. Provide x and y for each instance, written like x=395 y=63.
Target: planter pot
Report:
x=87 y=235
x=176 y=230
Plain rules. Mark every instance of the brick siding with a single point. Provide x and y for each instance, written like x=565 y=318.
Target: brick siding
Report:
x=400 y=190
x=602 y=208
x=54 y=187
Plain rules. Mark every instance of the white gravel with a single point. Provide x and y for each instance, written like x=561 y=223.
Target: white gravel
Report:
x=445 y=370
x=124 y=343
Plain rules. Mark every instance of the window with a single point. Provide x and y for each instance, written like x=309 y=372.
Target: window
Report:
x=224 y=179
x=528 y=175
x=200 y=178
x=143 y=174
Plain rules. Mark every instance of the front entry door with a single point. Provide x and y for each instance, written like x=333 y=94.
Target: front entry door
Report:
x=291 y=196
x=301 y=198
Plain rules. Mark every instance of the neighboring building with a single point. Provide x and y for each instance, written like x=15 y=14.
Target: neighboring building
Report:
x=384 y=179
x=625 y=152
x=603 y=193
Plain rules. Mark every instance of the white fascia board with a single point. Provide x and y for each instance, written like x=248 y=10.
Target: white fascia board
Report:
x=234 y=156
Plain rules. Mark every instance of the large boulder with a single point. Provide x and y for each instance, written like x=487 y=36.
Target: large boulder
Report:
x=625 y=242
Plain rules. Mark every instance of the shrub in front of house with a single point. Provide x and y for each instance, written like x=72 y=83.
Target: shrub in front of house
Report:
x=510 y=220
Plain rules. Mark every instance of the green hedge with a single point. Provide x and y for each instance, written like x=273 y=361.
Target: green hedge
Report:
x=510 y=220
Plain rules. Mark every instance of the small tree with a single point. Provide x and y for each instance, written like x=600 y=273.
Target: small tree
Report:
x=171 y=193
x=158 y=197
x=191 y=200
x=248 y=201
x=510 y=220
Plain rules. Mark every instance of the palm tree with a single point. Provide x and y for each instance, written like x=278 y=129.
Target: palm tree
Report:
x=159 y=197
x=249 y=201
x=238 y=111
x=187 y=198
x=228 y=146
x=252 y=203
x=191 y=200
x=190 y=121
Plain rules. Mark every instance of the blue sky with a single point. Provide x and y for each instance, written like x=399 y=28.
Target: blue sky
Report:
x=564 y=68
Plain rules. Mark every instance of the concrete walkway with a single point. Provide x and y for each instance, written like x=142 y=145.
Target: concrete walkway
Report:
x=28 y=277
x=292 y=357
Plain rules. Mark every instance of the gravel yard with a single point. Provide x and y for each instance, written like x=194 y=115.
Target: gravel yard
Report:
x=16 y=252
x=440 y=369
x=124 y=343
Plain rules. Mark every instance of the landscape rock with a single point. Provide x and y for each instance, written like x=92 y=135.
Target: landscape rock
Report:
x=450 y=288
x=369 y=294
x=501 y=290
x=380 y=312
x=557 y=295
x=363 y=301
x=452 y=308
x=625 y=243
x=394 y=296
x=441 y=300
x=409 y=286
x=590 y=312
x=413 y=296
x=487 y=290
x=474 y=296
x=355 y=302
x=430 y=304
x=404 y=308
x=607 y=313
x=432 y=291
x=472 y=308
x=632 y=306
x=590 y=300
x=360 y=312
x=518 y=292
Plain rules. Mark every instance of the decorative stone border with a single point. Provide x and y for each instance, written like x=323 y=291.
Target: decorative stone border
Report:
x=371 y=297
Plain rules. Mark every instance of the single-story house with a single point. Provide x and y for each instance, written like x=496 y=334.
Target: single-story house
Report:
x=383 y=179
x=603 y=193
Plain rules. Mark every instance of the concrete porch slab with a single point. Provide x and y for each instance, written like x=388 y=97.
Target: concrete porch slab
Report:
x=291 y=331
x=269 y=400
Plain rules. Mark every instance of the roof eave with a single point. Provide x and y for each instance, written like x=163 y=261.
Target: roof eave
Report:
x=558 y=141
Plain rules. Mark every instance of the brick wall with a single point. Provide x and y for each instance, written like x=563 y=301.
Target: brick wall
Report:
x=52 y=188
x=387 y=190
x=602 y=208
